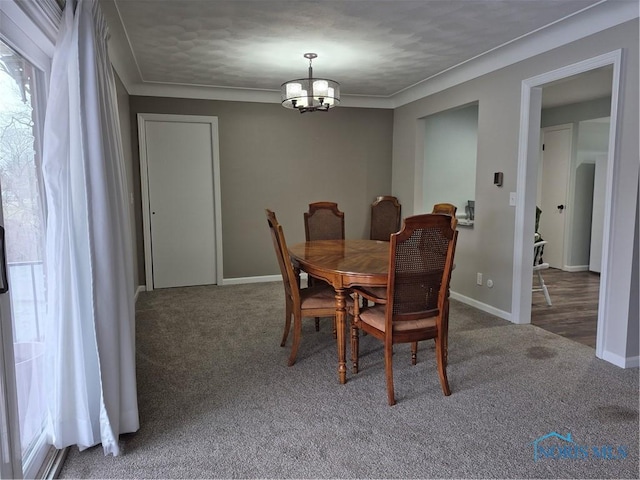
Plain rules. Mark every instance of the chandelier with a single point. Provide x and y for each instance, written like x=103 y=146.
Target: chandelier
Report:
x=310 y=94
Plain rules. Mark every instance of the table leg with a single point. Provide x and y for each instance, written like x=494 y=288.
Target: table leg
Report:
x=341 y=315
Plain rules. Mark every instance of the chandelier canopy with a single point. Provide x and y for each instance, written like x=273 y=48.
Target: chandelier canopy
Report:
x=310 y=94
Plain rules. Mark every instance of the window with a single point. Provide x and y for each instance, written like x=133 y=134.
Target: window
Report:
x=24 y=66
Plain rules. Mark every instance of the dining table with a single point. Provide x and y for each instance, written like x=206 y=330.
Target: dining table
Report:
x=343 y=264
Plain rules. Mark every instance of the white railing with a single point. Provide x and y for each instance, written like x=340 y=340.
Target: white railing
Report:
x=27 y=294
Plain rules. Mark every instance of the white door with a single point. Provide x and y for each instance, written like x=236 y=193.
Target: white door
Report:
x=178 y=156
x=556 y=159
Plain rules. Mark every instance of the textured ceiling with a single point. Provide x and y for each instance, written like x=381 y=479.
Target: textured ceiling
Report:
x=371 y=47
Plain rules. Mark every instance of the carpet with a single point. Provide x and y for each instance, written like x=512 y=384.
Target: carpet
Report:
x=217 y=400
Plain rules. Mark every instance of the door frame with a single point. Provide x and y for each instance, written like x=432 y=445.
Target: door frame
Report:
x=144 y=186
x=528 y=158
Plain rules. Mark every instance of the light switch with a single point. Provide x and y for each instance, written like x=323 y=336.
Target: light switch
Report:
x=512 y=199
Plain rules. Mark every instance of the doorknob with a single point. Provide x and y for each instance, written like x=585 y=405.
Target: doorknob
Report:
x=561 y=207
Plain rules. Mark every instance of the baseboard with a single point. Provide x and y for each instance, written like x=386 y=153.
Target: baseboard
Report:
x=303 y=277
x=141 y=288
x=576 y=268
x=481 y=306
x=619 y=361
x=260 y=279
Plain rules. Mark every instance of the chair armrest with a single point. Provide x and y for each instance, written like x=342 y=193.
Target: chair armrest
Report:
x=371 y=294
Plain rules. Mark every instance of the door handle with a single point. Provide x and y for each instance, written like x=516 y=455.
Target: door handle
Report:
x=4 y=282
x=561 y=207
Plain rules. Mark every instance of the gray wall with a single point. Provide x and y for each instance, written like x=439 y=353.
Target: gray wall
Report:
x=133 y=185
x=275 y=158
x=489 y=246
x=633 y=347
x=576 y=112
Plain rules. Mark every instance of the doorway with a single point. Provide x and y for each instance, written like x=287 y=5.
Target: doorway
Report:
x=527 y=176
x=180 y=183
x=571 y=195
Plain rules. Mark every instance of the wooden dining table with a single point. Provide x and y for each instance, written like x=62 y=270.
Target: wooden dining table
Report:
x=343 y=264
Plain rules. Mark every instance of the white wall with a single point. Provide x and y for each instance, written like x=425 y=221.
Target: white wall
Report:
x=450 y=152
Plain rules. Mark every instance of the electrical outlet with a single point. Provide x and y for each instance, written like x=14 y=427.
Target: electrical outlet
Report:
x=479 y=278
x=512 y=199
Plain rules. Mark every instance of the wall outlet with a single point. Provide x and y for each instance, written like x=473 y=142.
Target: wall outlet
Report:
x=512 y=199
x=479 y=278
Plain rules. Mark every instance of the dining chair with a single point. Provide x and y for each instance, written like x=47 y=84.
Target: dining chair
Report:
x=417 y=302
x=538 y=265
x=446 y=208
x=323 y=221
x=316 y=301
x=377 y=295
x=385 y=217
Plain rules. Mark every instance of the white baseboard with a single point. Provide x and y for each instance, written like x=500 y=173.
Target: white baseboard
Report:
x=141 y=288
x=576 y=268
x=619 y=361
x=260 y=279
x=303 y=277
x=481 y=306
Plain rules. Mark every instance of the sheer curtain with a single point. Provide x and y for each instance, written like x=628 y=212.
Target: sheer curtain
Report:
x=90 y=342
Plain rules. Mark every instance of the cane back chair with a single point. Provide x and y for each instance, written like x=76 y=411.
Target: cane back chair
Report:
x=417 y=302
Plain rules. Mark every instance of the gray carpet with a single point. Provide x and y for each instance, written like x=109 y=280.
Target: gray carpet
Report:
x=217 y=400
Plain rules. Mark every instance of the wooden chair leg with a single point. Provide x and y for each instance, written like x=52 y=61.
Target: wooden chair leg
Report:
x=297 y=330
x=442 y=369
x=388 y=367
x=355 y=334
x=355 y=347
x=287 y=325
x=414 y=353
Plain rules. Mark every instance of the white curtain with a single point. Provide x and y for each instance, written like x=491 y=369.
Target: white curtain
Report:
x=90 y=339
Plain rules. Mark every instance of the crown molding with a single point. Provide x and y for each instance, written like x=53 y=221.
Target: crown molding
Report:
x=149 y=89
x=601 y=16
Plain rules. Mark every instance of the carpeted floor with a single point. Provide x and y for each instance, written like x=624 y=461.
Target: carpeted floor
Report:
x=217 y=400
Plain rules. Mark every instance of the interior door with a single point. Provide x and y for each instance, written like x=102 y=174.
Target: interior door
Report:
x=556 y=159
x=179 y=157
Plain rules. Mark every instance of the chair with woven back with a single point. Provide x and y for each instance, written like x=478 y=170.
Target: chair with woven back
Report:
x=377 y=295
x=385 y=217
x=323 y=221
x=416 y=305
x=316 y=301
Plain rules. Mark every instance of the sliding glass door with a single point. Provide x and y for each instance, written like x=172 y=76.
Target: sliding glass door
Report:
x=22 y=275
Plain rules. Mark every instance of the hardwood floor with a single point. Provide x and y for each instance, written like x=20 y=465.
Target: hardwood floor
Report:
x=574 y=310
